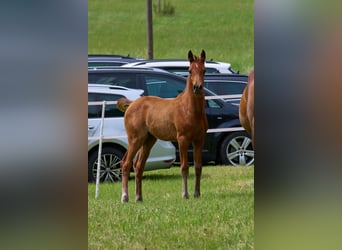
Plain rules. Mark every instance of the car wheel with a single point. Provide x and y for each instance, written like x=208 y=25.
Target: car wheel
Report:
x=110 y=165
x=236 y=149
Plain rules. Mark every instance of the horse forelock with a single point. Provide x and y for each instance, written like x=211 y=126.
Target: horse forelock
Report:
x=196 y=76
x=197 y=63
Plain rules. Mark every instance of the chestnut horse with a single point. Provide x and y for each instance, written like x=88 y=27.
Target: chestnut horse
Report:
x=246 y=109
x=181 y=119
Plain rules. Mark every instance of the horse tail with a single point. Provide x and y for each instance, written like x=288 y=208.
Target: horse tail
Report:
x=123 y=103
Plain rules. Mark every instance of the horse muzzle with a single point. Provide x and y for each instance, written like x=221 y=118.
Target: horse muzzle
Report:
x=197 y=88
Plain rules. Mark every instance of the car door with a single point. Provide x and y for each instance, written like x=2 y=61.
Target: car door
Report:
x=220 y=113
x=94 y=111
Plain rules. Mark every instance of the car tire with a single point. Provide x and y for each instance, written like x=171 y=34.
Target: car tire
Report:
x=110 y=165
x=237 y=150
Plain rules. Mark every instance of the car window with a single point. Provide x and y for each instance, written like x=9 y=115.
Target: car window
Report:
x=225 y=87
x=126 y=80
x=213 y=104
x=94 y=111
x=163 y=86
x=211 y=70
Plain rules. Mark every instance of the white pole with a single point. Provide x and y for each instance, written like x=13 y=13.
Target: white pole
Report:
x=100 y=151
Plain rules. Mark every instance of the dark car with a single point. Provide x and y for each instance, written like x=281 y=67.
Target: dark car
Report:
x=235 y=83
x=226 y=84
x=226 y=141
x=95 y=61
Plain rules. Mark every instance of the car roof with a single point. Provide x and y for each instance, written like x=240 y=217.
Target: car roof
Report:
x=108 y=56
x=113 y=89
x=119 y=68
x=174 y=62
x=96 y=60
x=222 y=67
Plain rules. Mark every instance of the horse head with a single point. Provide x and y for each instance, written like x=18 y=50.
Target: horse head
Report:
x=196 y=71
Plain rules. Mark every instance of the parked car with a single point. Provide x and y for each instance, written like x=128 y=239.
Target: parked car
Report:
x=231 y=147
x=226 y=84
x=181 y=67
x=115 y=143
x=95 y=61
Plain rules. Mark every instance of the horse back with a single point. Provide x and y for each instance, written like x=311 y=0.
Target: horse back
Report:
x=165 y=119
x=153 y=115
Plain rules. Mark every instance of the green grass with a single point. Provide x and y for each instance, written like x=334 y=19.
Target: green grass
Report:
x=224 y=28
x=222 y=218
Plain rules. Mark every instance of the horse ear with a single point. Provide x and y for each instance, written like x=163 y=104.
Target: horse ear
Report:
x=190 y=56
x=203 y=55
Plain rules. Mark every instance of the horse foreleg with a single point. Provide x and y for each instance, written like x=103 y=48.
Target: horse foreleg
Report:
x=198 y=168
x=183 y=155
x=140 y=166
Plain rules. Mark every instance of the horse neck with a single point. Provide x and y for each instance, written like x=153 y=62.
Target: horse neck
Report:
x=196 y=101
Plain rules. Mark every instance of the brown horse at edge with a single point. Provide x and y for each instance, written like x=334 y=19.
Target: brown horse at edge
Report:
x=246 y=109
x=181 y=119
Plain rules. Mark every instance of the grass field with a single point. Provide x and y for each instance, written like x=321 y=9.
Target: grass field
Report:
x=224 y=28
x=223 y=218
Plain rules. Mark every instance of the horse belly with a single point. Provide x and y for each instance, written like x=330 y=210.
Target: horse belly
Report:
x=163 y=130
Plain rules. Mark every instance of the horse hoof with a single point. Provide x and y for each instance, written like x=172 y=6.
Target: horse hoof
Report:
x=185 y=196
x=124 y=199
x=138 y=199
x=197 y=195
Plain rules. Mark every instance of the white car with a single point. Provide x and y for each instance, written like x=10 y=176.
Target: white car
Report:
x=181 y=67
x=115 y=143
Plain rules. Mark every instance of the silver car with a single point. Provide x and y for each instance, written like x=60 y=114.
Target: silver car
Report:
x=180 y=66
x=115 y=143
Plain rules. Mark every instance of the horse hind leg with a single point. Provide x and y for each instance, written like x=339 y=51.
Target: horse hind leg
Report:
x=140 y=165
x=126 y=165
